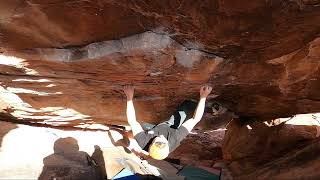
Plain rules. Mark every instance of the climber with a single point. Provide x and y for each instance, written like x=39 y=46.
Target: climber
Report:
x=163 y=138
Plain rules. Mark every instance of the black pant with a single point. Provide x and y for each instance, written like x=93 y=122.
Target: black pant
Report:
x=183 y=113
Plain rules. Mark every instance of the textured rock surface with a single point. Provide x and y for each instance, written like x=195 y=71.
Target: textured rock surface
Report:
x=89 y=88
x=63 y=63
x=164 y=75
x=225 y=27
x=200 y=149
x=261 y=57
x=282 y=149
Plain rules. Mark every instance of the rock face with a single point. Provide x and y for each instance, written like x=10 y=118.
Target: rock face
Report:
x=179 y=50
x=225 y=27
x=64 y=62
x=87 y=84
x=282 y=149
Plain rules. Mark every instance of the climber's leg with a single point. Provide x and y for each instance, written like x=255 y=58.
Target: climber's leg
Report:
x=184 y=111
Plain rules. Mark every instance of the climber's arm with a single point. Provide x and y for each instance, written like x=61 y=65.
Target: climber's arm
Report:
x=204 y=92
x=131 y=115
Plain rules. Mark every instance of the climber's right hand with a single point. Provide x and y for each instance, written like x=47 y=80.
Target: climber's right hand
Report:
x=205 y=91
x=129 y=92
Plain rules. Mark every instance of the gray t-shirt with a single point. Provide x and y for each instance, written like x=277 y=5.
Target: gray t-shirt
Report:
x=174 y=136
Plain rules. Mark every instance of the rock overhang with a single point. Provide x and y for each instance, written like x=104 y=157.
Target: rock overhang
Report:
x=261 y=57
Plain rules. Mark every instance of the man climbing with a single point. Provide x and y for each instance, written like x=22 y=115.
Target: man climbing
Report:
x=163 y=138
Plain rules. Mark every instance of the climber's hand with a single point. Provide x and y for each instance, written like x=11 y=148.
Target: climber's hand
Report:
x=205 y=91
x=141 y=153
x=129 y=91
x=135 y=148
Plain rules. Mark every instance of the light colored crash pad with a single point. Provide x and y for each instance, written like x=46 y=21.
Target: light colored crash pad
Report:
x=117 y=158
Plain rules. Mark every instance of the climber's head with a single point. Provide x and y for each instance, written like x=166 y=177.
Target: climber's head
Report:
x=159 y=148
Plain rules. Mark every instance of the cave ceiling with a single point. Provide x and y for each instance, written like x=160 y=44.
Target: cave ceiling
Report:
x=64 y=62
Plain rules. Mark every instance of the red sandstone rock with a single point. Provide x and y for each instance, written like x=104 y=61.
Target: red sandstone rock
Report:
x=86 y=88
x=268 y=67
x=282 y=149
x=64 y=63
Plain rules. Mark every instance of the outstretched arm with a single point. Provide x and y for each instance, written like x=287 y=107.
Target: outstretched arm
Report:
x=131 y=114
x=204 y=92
